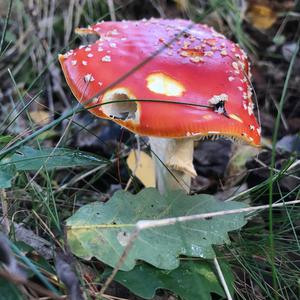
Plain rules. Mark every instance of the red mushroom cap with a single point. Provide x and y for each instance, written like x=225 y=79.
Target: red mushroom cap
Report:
x=197 y=66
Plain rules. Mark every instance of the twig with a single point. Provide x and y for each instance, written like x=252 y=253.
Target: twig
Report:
x=4 y=204
x=146 y=224
x=222 y=279
x=111 y=9
x=39 y=244
x=119 y=264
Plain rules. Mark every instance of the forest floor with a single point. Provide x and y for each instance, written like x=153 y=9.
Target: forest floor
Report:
x=39 y=192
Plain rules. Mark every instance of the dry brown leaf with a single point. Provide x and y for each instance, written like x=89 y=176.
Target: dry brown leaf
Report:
x=40 y=117
x=261 y=16
x=142 y=166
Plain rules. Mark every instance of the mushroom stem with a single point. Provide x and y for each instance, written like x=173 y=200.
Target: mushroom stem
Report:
x=173 y=163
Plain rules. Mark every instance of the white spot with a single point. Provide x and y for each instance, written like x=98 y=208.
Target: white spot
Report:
x=230 y=78
x=115 y=32
x=184 y=53
x=84 y=63
x=88 y=78
x=82 y=46
x=90 y=55
x=186 y=44
x=250 y=108
x=208 y=53
x=252 y=127
x=218 y=35
x=242 y=65
x=73 y=62
x=259 y=130
x=196 y=59
x=106 y=58
x=249 y=93
x=113 y=45
x=100 y=49
x=240 y=88
x=100 y=83
x=213 y=132
x=235 y=65
x=218 y=98
x=87 y=49
x=69 y=53
x=224 y=53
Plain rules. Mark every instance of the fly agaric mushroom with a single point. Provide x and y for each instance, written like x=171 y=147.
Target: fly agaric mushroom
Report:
x=201 y=78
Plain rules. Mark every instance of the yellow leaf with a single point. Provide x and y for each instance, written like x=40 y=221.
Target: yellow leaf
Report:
x=182 y=4
x=261 y=16
x=40 y=117
x=142 y=166
x=237 y=163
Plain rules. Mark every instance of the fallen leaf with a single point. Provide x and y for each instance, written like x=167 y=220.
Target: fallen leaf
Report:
x=142 y=166
x=237 y=164
x=182 y=5
x=144 y=280
x=40 y=117
x=261 y=16
x=102 y=230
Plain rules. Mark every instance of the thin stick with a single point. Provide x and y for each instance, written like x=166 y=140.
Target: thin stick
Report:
x=145 y=224
x=120 y=262
x=111 y=9
x=4 y=204
x=222 y=279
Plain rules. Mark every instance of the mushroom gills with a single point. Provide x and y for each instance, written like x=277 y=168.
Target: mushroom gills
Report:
x=122 y=106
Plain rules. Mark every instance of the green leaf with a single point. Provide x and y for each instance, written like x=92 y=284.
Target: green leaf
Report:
x=30 y=159
x=9 y=291
x=191 y=280
x=5 y=139
x=160 y=246
x=7 y=173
